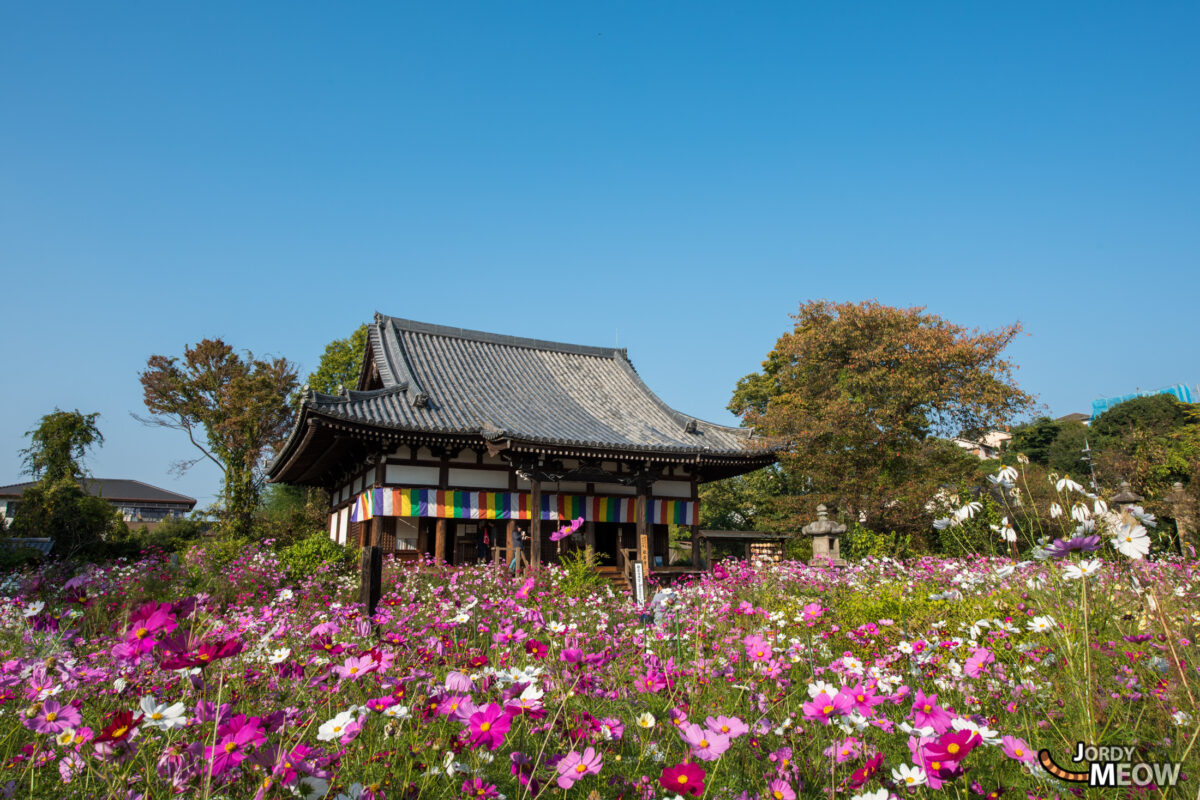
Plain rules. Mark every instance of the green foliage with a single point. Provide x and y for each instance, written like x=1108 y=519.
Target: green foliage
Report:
x=1157 y=414
x=756 y=501
x=580 y=577
x=340 y=363
x=17 y=557
x=1033 y=439
x=798 y=548
x=975 y=536
x=59 y=444
x=233 y=409
x=172 y=535
x=289 y=514
x=76 y=521
x=860 y=542
x=315 y=553
x=855 y=395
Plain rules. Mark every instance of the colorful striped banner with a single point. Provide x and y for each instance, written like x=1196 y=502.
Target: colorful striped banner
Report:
x=449 y=504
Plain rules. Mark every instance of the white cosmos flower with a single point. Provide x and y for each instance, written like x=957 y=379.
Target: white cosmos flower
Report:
x=353 y=792
x=878 y=794
x=1100 y=507
x=646 y=720
x=1005 y=530
x=1080 y=512
x=1132 y=541
x=1139 y=513
x=162 y=716
x=1007 y=473
x=279 y=655
x=310 y=787
x=65 y=737
x=909 y=775
x=397 y=712
x=1041 y=624
x=1005 y=571
x=334 y=728
x=944 y=522
x=1065 y=483
x=817 y=687
x=1082 y=570
x=1056 y=511
x=33 y=609
x=988 y=735
x=969 y=510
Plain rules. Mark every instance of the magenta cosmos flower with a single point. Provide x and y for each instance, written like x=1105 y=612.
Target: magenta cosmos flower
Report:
x=489 y=726
x=980 y=659
x=479 y=789
x=55 y=717
x=574 y=766
x=685 y=778
x=926 y=712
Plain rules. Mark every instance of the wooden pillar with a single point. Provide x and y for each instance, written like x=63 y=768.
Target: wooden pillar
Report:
x=511 y=550
x=372 y=578
x=368 y=530
x=535 y=523
x=643 y=528
x=747 y=551
x=589 y=534
x=708 y=553
x=695 y=545
x=439 y=542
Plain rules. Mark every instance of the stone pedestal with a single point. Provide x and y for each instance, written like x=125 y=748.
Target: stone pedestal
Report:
x=827 y=539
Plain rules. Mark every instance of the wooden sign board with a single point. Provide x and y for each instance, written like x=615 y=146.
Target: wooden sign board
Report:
x=639 y=584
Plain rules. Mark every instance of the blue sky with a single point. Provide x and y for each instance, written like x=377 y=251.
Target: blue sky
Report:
x=675 y=176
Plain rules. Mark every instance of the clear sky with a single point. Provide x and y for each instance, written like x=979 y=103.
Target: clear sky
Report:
x=677 y=177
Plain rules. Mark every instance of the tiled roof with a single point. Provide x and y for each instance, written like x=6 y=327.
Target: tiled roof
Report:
x=446 y=380
x=116 y=490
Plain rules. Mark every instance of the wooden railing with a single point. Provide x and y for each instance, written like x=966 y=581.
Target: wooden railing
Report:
x=501 y=557
x=625 y=560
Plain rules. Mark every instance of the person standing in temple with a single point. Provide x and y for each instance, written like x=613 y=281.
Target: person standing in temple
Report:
x=483 y=542
x=519 y=540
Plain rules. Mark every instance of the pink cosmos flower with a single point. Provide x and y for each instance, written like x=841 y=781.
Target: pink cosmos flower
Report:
x=823 y=707
x=526 y=588
x=566 y=530
x=926 y=712
x=55 y=717
x=147 y=621
x=489 y=726
x=1017 y=749
x=757 y=648
x=979 y=659
x=780 y=790
x=706 y=745
x=355 y=667
x=574 y=766
x=729 y=726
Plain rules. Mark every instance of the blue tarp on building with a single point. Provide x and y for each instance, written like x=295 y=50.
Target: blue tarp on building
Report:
x=1182 y=392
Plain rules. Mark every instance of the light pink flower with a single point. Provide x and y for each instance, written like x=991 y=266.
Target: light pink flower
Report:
x=574 y=766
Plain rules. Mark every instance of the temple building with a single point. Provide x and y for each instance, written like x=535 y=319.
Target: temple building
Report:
x=451 y=430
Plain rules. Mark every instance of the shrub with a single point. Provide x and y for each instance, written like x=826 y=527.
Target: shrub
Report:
x=310 y=554
x=863 y=543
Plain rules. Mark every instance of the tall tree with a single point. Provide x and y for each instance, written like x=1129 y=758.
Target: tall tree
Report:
x=58 y=505
x=234 y=410
x=857 y=394
x=59 y=444
x=340 y=363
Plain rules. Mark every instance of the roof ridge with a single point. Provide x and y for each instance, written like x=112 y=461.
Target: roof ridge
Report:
x=431 y=329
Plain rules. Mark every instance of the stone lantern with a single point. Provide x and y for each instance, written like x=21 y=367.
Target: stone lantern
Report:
x=827 y=537
x=1126 y=497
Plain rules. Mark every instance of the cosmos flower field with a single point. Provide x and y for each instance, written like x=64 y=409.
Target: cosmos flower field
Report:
x=933 y=677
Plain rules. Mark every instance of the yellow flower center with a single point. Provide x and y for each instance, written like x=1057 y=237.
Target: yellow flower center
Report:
x=581 y=768
x=141 y=633
x=862 y=699
x=682 y=779
x=928 y=708
x=724 y=729
x=119 y=732
x=230 y=747
x=156 y=716
x=909 y=779
x=827 y=710
x=778 y=795
x=953 y=748
x=704 y=742
x=485 y=726
x=1019 y=752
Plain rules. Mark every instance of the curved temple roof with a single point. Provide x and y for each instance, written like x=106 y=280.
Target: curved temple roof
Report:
x=432 y=379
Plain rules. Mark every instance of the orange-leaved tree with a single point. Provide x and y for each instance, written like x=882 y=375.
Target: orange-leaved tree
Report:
x=862 y=397
x=233 y=409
